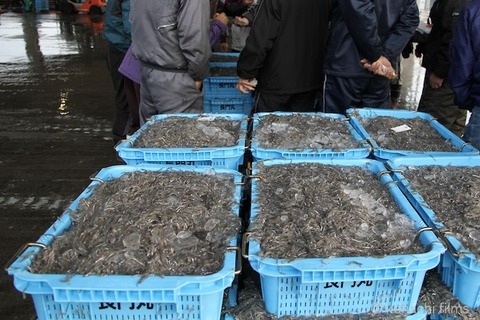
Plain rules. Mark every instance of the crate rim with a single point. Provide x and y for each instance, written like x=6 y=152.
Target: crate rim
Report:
x=127 y=145
x=361 y=152
x=464 y=148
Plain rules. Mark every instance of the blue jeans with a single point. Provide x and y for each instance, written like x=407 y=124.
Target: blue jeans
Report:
x=472 y=130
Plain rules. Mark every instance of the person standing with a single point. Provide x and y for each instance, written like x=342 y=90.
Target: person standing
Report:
x=366 y=40
x=437 y=96
x=464 y=73
x=171 y=40
x=117 y=33
x=284 y=54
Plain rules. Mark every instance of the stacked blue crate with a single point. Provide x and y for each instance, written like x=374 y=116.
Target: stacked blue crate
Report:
x=221 y=94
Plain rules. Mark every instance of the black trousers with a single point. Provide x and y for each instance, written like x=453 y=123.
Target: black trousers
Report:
x=341 y=93
x=296 y=102
x=122 y=112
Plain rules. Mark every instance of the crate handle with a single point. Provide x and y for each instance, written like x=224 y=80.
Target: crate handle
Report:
x=94 y=178
x=121 y=141
x=238 y=268
x=23 y=248
x=245 y=238
x=442 y=237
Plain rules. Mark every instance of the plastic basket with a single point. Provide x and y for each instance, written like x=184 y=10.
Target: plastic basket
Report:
x=464 y=149
x=229 y=105
x=420 y=315
x=58 y=296
x=223 y=87
x=304 y=154
x=224 y=57
x=321 y=286
x=218 y=157
x=459 y=267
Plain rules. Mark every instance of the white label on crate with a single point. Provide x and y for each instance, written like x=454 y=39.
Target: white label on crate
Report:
x=401 y=128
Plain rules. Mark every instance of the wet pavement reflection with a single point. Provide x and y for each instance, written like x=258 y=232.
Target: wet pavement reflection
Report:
x=55 y=122
x=56 y=114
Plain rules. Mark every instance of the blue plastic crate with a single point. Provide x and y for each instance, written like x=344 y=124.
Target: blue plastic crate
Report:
x=259 y=153
x=224 y=57
x=218 y=157
x=464 y=149
x=60 y=296
x=229 y=105
x=459 y=267
x=321 y=286
x=421 y=314
x=223 y=87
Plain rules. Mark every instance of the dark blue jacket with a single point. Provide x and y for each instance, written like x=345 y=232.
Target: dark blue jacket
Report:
x=368 y=29
x=464 y=76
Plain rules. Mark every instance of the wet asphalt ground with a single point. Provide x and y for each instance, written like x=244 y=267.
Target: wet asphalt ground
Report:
x=56 y=111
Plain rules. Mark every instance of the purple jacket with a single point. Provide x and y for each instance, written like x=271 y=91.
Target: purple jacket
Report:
x=464 y=76
x=130 y=66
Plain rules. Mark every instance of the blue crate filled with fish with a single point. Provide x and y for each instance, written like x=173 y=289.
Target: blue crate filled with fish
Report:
x=319 y=242
x=222 y=82
x=109 y=290
x=304 y=136
x=451 y=208
x=398 y=133
x=229 y=105
x=171 y=140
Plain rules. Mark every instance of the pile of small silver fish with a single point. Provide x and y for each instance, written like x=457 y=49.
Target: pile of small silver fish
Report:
x=148 y=223
x=453 y=193
x=189 y=132
x=311 y=210
x=421 y=136
x=437 y=298
x=301 y=131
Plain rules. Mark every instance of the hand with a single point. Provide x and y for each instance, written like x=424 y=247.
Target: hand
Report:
x=245 y=86
x=199 y=85
x=381 y=67
x=434 y=81
x=223 y=46
x=222 y=17
x=241 y=21
x=248 y=2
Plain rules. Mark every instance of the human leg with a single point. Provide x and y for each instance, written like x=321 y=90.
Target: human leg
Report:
x=439 y=104
x=472 y=129
x=122 y=113
x=341 y=93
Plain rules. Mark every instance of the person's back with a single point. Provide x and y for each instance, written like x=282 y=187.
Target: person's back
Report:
x=464 y=74
x=285 y=50
x=171 y=40
x=364 y=29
